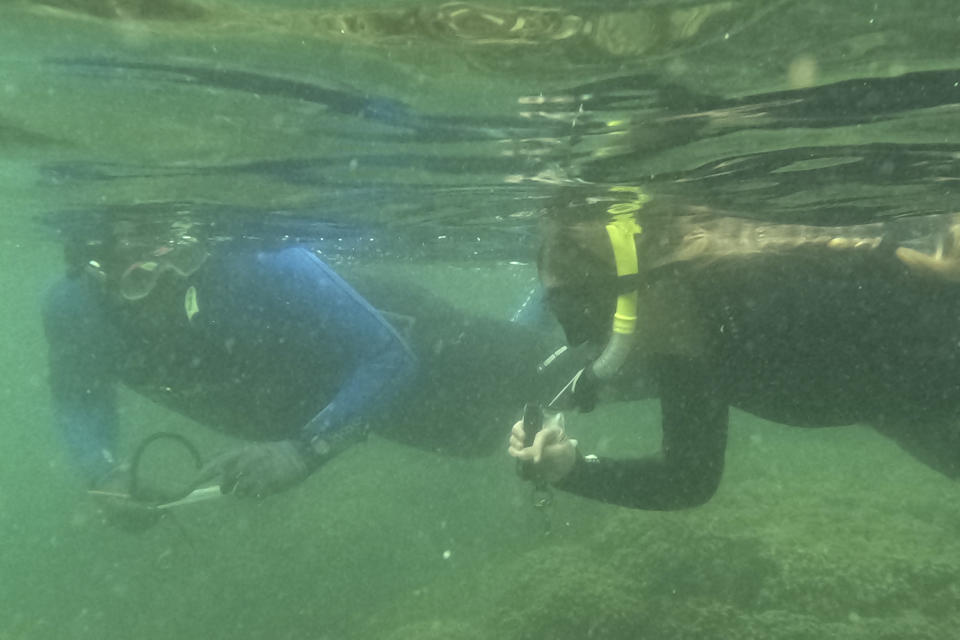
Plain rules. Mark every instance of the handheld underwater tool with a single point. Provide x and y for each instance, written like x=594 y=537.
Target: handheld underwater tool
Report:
x=151 y=499
x=532 y=424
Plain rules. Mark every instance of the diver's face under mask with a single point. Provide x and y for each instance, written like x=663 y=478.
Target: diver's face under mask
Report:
x=183 y=258
x=585 y=311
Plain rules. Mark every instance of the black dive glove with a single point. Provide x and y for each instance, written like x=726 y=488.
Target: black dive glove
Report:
x=260 y=469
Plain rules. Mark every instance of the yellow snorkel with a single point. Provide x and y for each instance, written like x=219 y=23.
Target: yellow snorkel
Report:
x=622 y=232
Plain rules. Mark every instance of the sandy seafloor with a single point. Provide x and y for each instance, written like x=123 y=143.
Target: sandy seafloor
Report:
x=812 y=536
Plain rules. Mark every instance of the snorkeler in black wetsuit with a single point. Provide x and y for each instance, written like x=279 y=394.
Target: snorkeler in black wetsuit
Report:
x=800 y=325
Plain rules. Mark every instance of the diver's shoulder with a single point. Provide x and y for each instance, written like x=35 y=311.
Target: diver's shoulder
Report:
x=245 y=266
x=66 y=295
x=68 y=304
x=292 y=253
x=292 y=260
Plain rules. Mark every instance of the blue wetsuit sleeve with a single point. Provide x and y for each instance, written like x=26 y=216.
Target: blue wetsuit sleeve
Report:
x=380 y=364
x=81 y=376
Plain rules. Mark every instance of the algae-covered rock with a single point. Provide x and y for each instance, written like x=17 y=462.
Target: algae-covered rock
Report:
x=673 y=558
x=716 y=574
x=437 y=630
x=569 y=592
x=801 y=550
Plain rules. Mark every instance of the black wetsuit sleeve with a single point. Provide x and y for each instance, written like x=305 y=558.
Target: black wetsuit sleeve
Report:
x=688 y=469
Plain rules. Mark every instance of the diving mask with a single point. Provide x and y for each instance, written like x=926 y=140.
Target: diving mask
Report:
x=140 y=278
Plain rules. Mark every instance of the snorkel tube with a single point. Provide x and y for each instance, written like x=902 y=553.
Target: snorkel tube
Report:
x=622 y=231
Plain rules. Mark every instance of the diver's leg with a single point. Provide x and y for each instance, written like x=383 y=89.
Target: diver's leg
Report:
x=933 y=440
x=474 y=375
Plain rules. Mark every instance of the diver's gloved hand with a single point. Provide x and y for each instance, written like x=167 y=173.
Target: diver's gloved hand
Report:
x=118 y=508
x=585 y=390
x=259 y=469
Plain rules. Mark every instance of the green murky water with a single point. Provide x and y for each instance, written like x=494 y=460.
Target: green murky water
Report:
x=426 y=139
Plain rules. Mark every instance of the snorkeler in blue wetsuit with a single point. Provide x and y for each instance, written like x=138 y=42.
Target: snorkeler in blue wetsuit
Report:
x=269 y=346
x=266 y=345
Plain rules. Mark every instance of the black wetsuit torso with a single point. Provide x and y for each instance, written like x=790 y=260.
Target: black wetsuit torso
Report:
x=821 y=338
x=824 y=340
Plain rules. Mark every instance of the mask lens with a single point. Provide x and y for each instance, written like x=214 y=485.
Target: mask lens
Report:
x=186 y=258
x=139 y=280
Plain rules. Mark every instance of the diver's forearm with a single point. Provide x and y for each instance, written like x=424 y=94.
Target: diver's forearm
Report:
x=644 y=483
x=688 y=470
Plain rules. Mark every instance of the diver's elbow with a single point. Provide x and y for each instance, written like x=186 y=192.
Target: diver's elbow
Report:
x=698 y=488
x=699 y=494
